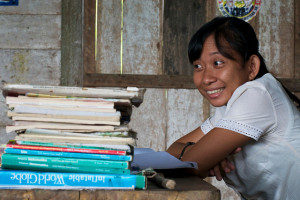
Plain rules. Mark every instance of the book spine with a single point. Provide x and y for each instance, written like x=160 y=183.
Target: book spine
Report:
x=71 y=91
x=126 y=148
x=21 y=165
x=63 y=149
x=69 y=154
x=34 y=110
x=14 y=179
x=89 y=140
x=77 y=162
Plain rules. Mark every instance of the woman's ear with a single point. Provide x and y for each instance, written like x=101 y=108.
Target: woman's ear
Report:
x=253 y=65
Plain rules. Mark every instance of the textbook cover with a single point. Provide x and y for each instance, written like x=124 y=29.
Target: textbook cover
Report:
x=69 y=154
x=24 y=165
x=8 y=158
x=17 y=179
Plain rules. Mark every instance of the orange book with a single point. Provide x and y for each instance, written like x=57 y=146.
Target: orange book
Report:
x=65 y=149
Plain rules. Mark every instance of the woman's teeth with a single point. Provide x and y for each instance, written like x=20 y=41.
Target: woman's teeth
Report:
x=215 y=91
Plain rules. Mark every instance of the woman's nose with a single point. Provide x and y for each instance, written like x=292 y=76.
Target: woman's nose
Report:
x=208 y=77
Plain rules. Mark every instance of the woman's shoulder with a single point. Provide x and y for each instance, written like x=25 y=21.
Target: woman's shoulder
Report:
x=266 y=86
x=254 y=90
x=266 y=82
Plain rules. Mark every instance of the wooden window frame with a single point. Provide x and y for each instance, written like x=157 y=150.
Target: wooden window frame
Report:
x=93 y=79
x=78 y=59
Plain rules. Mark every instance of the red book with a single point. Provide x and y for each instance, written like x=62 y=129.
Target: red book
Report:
x=65 y=149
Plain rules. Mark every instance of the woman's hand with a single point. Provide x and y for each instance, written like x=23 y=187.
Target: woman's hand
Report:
x=225 y=166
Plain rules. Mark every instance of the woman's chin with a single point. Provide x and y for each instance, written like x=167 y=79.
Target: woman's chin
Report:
x=217 y=103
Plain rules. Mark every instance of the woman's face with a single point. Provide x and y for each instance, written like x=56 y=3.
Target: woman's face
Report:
x=217 y=77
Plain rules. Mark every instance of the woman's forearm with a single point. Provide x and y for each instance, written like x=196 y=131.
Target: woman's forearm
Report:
x=175 y=149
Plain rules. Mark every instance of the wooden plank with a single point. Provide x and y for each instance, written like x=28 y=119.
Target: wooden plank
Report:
x=297 y=39
x=40 y=194
x=181 y=20
x=276 y=36
x=151 y=195
x=142 y=41
x=184 y=113
x=141 y=81
x=292 y=84
x=89 y=63
x=192 y=188
x=33 y=7
x=109 y=37
x=158 y=81
x=211 y=10
x=149 y=120
x=71 y=43
x=254 y=22
x=30 y=66
x=30 y=31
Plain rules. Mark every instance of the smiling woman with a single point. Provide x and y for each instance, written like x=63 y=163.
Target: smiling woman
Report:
x=253 y=111
x=217 y=77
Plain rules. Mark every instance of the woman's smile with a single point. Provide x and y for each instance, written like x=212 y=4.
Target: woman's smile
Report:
x=214 y=93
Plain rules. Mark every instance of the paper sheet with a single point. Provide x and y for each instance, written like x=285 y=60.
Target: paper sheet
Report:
x=148 y=158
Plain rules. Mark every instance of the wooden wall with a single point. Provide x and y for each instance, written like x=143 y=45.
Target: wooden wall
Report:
x=44 y=42
x=30 y=47
x=30 y=42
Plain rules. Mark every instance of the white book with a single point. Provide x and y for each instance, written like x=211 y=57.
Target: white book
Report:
x=55 y=102
x=94 y=118
x=63 y=107
x=71 y=121
x=55 y=126
x=77 y=139
x=119 y=93
x=61 y=132
x=39 y=110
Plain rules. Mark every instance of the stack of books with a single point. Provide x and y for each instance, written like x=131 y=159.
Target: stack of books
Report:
x=70 y=109
x=70 y=137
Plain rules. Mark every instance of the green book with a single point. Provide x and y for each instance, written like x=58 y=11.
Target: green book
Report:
x=20 y=165
x=76 y=162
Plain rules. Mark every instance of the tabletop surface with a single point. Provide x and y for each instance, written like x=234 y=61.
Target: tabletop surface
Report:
x=190 y=188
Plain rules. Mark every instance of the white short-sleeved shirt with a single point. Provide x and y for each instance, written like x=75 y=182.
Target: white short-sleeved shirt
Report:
x=268 y=167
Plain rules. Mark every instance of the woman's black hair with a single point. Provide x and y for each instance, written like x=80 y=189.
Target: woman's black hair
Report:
x=234 y=33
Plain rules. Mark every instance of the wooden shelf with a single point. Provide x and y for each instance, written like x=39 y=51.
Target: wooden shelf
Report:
x=158 y=81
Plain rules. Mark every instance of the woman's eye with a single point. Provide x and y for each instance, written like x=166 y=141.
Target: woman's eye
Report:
x=198 y=67
x=218 y=62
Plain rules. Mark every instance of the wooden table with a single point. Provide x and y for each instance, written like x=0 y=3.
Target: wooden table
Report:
x=191 y=188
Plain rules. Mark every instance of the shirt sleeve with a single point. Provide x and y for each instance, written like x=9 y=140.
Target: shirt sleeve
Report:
x=211 y=122
x=206 y=126
x=249 y=112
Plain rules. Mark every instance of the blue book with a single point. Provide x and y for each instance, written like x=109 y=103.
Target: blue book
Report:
x=21 y=165
x=8 y=158
x=18 y=179
x=69 y=154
